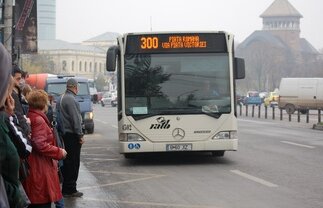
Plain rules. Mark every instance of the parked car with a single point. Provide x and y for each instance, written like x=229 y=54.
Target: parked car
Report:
x=240 y=99
x=272 y=99
x=252 y=98
x=109 y=98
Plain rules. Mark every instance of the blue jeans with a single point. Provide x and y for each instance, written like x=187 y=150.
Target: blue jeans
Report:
x=60 y=203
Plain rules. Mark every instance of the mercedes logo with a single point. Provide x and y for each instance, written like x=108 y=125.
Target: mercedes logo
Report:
x=178 y=134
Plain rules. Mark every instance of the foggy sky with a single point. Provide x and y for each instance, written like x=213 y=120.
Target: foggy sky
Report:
x=79 y=20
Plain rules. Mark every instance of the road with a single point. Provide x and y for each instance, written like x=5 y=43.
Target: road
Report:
x=278 y=165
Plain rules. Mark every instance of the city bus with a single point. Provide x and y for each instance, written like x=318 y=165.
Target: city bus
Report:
x=176 y=92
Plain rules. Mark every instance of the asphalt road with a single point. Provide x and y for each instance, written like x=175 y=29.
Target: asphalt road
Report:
x=278 y=165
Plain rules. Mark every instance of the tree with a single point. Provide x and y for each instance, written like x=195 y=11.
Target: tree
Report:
x=101 y=82
x=37 y=63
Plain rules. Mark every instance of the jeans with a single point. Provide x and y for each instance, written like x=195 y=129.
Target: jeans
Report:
x=60 y=203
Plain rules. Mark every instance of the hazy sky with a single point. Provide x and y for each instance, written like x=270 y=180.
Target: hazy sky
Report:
x=79 y=20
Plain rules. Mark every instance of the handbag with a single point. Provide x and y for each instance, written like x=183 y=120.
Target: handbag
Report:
x=24 y=196
x=3 y=194
x=23 y=170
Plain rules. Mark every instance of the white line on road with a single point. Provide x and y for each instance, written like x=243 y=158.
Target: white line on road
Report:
x=255 y=179
x=92 y=160
x=100 y=121
x=114 y=126
x=123 y=173
x=158 y=204
x=122 y=182
x=297 y=144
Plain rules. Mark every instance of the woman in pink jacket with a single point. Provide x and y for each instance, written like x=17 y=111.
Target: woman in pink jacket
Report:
x=42 y=185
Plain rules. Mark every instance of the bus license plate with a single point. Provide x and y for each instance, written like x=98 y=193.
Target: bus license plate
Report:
x=178 y=147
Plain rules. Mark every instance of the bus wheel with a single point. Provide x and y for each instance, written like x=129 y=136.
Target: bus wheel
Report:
x=303 y=111
x=290 y=109
x=129 y=155
x=218 y=153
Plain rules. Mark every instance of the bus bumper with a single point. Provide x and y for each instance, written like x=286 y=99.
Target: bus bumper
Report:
x=146 y=146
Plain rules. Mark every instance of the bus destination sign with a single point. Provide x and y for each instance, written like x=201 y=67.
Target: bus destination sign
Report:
x=176 y=43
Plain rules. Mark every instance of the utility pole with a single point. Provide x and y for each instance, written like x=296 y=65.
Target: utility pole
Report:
x=8 y=15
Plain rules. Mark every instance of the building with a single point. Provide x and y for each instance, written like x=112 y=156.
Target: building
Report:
x=46 y=19
x=277 y=50
x=86 y=59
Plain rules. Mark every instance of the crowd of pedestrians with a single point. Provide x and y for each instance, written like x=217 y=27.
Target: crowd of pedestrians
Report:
x=38 y=165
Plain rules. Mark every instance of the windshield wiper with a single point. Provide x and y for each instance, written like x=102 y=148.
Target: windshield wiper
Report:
x=176 y=111
x=143 y=116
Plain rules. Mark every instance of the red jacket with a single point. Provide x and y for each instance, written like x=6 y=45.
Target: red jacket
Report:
x=42 y=184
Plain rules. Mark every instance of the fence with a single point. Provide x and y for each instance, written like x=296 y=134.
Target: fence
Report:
x=277 y=113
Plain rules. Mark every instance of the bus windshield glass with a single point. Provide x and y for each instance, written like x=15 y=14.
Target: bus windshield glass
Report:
x=177 y=83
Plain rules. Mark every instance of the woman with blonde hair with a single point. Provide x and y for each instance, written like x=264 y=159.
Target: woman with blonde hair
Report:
x=42 y=185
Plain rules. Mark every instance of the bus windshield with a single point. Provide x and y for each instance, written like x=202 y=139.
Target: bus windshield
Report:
x=177 y=83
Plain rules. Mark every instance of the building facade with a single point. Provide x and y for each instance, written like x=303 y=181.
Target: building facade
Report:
x=277 y=50
x=46 y=17
x=86 y=59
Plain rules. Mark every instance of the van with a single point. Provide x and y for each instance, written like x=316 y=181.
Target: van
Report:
x=300 y=94
x=55 y=85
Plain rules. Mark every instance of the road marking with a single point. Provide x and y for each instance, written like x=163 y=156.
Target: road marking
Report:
x=104 y=122
x=89 y=154
x=253 y=178
x=158 y=204
x=96 y=160
x=122 y=173
x=122 y=182
x=85 y=148
x=297 y=144
x=114 y=126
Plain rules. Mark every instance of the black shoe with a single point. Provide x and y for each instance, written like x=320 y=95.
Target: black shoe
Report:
x=75 y=194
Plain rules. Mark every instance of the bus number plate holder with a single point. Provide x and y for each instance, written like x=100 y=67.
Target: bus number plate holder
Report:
x=179 y=147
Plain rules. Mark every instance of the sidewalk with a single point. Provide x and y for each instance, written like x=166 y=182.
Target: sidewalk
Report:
x=87 y=184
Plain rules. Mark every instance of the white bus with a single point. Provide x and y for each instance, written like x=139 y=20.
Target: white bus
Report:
x=176 y=92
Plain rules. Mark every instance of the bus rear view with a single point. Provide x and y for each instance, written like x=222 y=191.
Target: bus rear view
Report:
x=176 y=92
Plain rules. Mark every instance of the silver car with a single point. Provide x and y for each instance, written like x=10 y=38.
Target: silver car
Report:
x=109 y=98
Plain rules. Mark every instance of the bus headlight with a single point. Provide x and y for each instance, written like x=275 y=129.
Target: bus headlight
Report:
x=131 y=138
x=226 y=135
x=88 y=115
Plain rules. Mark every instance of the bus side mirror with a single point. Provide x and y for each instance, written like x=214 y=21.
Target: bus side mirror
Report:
x=111 y=59
x=239 y=68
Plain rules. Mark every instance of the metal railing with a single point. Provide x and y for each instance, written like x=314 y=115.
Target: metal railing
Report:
x=271 y=113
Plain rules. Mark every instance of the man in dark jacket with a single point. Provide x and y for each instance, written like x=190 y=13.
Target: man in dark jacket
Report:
x=71 y=119
x=22 y=121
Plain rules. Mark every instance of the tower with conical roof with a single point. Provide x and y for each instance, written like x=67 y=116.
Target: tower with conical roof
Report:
x=283 y=20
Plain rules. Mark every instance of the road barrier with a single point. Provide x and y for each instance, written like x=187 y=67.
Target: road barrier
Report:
x=264 y=111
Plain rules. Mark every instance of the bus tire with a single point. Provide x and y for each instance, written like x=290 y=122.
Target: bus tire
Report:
x=219 y=153
x=129 y=155
x=303 y=111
